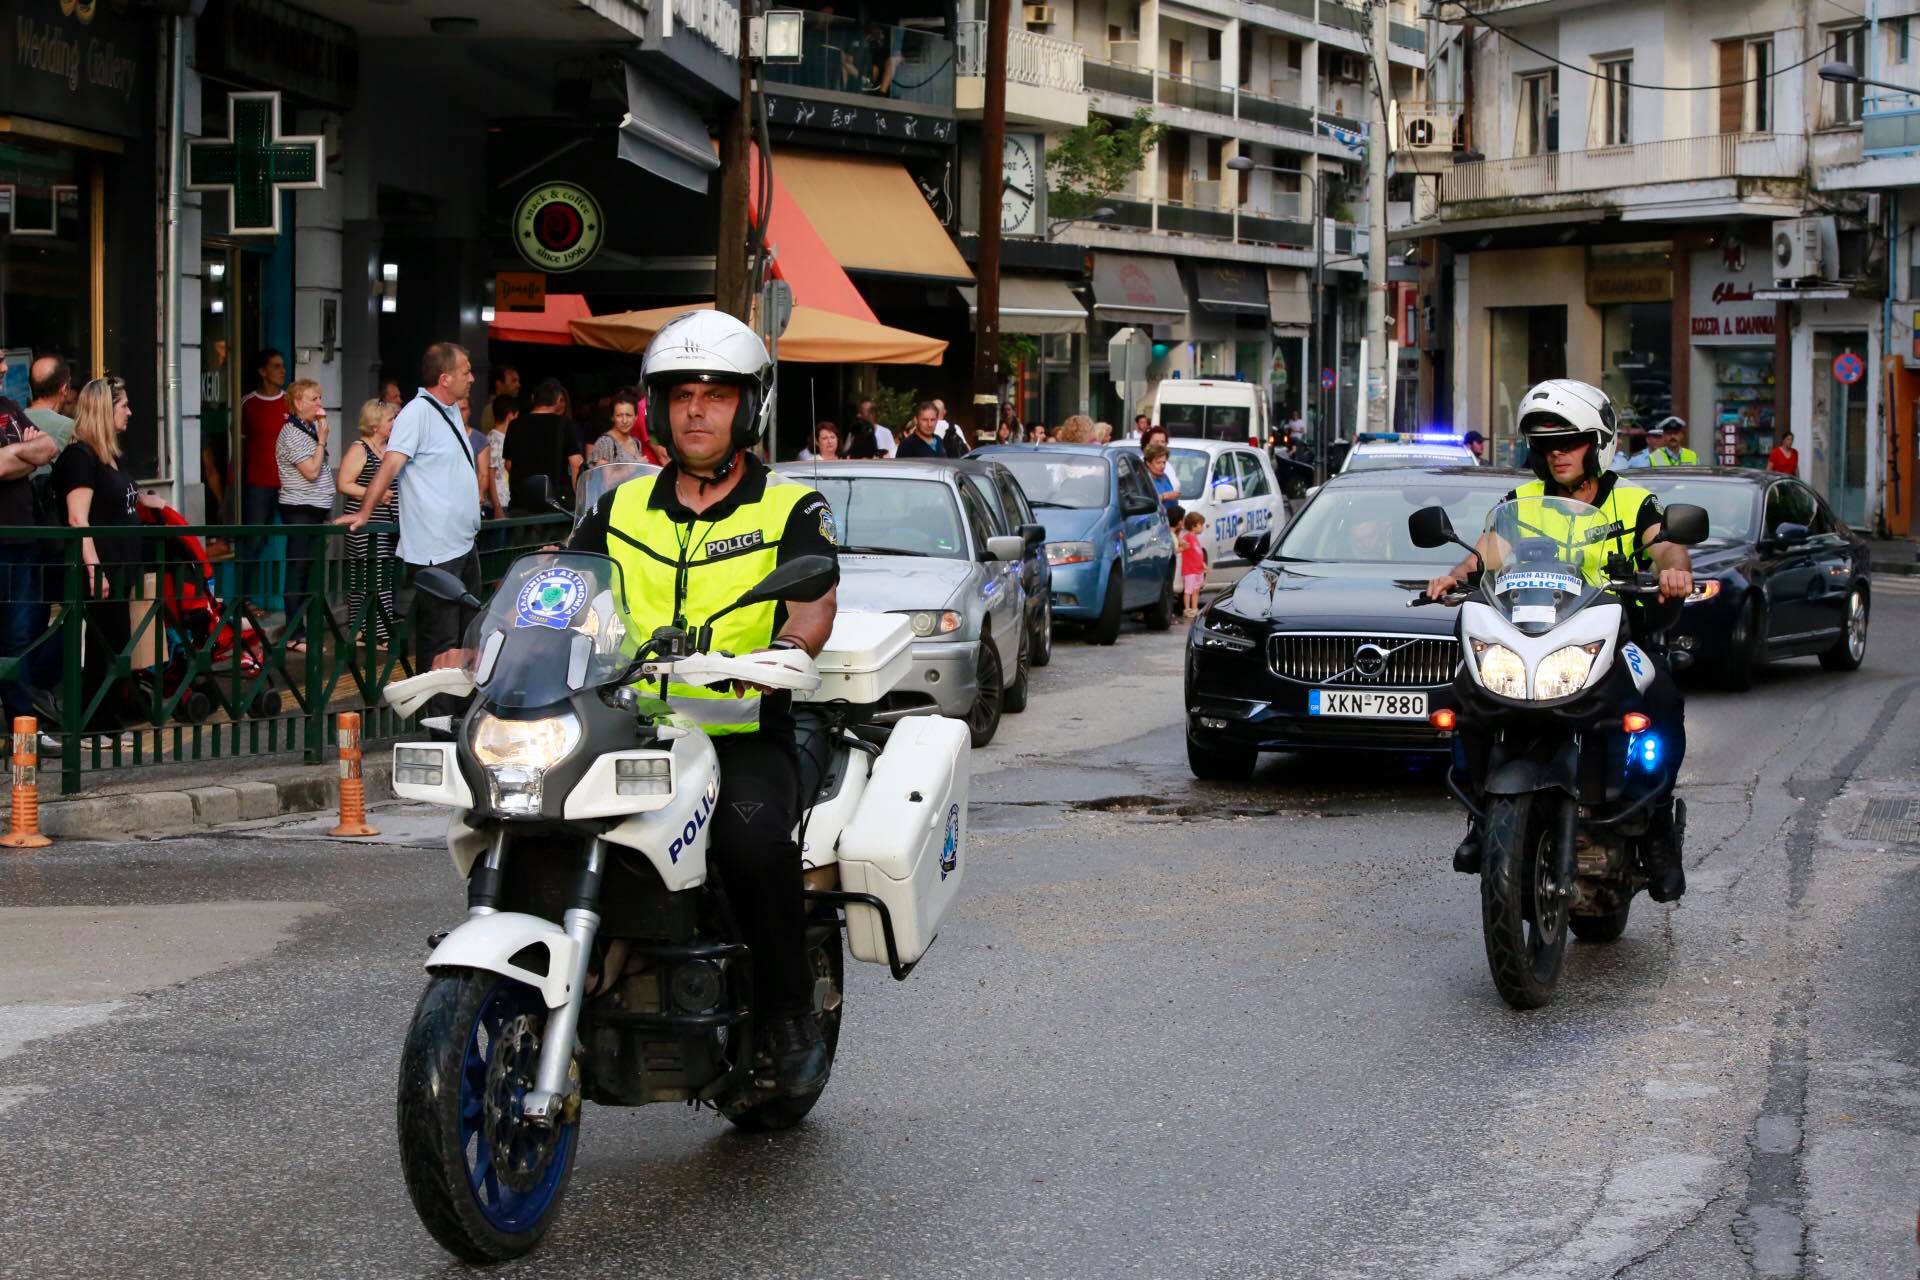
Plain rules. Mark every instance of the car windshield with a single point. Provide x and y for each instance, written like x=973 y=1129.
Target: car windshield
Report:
x=1369 y=524
x=1060 y=480
x=598 y=482
x=1372 y=460
x=1207 y=421
x=552 y=628
x=885 y=516
x=1544 y=558
x=1732 y=506
x=1189 y=470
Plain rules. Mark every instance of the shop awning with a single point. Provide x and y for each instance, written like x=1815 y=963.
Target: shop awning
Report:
x=1234 y=288
x=664 y=135
x=547 y=328
x=871 y=215
x=800 y=256
x=1290 y=300
x=813 y=336
x=1032 y=305
x=1129 y=289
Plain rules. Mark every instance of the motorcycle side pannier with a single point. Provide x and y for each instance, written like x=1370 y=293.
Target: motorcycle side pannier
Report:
x=907 y=842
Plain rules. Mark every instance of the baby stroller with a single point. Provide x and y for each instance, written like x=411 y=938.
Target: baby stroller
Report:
x=195 y=619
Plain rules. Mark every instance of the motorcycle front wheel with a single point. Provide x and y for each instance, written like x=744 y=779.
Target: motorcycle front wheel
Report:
x=1525 y=890
x=486 y=1182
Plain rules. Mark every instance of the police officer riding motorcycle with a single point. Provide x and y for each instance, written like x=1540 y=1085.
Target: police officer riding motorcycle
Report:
x=1570 y=431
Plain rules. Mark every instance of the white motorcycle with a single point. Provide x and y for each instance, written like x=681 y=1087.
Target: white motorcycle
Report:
x=599 y=961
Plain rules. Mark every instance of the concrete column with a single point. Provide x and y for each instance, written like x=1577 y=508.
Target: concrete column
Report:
x=317 y=300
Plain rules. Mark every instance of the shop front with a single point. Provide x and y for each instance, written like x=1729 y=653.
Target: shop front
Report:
x=1735 y=398
x=1837 y=395
x=1631 y=286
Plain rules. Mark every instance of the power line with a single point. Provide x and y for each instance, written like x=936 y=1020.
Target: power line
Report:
x=1631 y=84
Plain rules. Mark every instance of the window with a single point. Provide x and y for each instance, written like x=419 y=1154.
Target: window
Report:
x=1616 y=115
x=1899 y=48
x=1013 y=501
x=1758 y=117
x=1788 y=503
x=1744 y=71
x=1847 y=44
x=1253 y=481
x=1539 y=120
x=980 y=517
x=1246 y=57
x=984 y=487
x=1133 y=480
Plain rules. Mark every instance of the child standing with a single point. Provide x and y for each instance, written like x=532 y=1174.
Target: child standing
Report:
x=1193 y=560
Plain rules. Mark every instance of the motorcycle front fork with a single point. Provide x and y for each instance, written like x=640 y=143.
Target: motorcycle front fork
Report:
x=545 y=1102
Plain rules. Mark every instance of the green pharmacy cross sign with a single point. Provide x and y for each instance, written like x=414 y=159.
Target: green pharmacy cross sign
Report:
x=255 y=163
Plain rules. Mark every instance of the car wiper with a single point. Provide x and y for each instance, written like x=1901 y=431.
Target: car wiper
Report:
x=1041 y=502
x=880 y=551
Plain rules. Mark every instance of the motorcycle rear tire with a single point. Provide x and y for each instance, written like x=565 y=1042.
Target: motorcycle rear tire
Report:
x=828 y=957
x=440 y=1067
x=1524 y=956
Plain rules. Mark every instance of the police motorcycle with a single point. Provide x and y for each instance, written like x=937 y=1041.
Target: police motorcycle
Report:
x=598 y=961
x=1552 y=679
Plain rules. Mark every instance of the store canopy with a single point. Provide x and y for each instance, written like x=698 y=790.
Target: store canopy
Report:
x=1235 y=288
x=1129 y=289
x=871 y=214
x=548 y=327
x=813 y=336
x=800 y=256
x=1032 y=305
x=1289 y=300
x=664 y=135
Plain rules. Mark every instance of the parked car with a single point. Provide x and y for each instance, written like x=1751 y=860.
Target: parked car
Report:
x=1314 y=647
x=1232 y=485
x=1780 y=576
x=1014 y=516
x=1110 y=547
x=916 y=539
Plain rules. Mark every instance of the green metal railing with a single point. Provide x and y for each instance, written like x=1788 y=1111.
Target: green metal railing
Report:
x=138 y=674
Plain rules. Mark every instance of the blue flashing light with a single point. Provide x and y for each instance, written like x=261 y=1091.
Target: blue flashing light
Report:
x=1644 y=749
x=1436 y=437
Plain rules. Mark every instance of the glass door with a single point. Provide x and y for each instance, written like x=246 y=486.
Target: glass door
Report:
x=1840 y=423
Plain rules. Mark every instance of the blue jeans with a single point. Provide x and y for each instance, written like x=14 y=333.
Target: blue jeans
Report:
x=19 y=606
x=259 y=504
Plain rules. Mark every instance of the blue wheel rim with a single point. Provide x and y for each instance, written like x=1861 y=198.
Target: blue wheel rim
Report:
x=512 y=1143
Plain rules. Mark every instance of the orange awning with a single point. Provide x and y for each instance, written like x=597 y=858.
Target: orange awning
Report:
x=801 y=257
x=548 y=327
x=869 y=214
x=813 y=336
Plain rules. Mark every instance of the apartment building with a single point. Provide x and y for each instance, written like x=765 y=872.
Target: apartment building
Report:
x=1599 y=191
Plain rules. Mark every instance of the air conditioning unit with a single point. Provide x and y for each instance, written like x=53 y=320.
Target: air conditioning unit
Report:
x=1805 y=249
x=1422 y=130
x=1038 y=15
x=1349 y=67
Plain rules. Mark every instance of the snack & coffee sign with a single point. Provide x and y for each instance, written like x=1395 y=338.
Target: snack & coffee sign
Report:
x=557 y=227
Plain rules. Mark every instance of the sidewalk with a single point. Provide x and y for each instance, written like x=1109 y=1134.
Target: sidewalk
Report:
x=1894 y=555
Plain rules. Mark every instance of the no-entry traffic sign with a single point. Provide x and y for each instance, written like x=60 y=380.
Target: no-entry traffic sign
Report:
x=1327 y=379
x=1848 y=367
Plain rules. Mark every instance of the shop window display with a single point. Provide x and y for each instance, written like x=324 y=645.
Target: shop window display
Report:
x=1743 y=402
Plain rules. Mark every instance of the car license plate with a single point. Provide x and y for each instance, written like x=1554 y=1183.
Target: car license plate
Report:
x=1367 y=704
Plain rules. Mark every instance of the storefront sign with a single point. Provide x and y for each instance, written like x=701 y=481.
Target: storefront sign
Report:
x=1725 y=311
x=694 y=45
x=520 y=291
x=1611 y=282
x=254 y=163
x=268 y=42
x=73 y=62
x=557 y=227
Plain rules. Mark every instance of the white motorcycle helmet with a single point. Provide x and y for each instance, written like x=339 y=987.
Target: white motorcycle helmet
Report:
x=707 y=346
x=1559 y=410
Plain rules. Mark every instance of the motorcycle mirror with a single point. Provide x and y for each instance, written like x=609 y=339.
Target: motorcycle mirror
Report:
x=442 y=585
x=1429 y=528
x=1684 y=523
x=534 y=491
x=804 y=578
x=1252 y=547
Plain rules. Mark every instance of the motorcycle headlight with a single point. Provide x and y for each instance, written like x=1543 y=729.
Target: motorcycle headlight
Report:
x=1069 y=552
x=932 y=622
x=517 y=754
x=1564 y=672
x=1705 y=589
x=1501 y=669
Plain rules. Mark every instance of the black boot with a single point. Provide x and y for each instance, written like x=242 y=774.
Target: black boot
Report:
x=1467 y=854
x=1666 y=840
x=799 y=1054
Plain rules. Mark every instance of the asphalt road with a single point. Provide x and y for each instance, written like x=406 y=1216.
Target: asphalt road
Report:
x=1173 y=1030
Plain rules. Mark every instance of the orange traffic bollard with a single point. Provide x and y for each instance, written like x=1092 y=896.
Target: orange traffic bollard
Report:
x=353 y=790
x=24 y=831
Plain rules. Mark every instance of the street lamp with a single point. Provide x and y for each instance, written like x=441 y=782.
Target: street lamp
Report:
x=1245 y=164
x=1847 y=73
x=1098 y=215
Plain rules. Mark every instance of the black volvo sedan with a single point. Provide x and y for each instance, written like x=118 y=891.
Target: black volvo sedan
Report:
x=1315 y=647
x=1780 y=576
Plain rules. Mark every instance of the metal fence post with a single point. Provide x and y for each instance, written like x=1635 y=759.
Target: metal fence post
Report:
x=72 y=614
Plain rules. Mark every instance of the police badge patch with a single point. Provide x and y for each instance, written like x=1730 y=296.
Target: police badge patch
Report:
x=827 y=527
x=551 y=598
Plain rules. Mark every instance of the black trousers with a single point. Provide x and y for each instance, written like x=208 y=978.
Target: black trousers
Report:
x=439 y=625
x=306 y=560
x=752 y=845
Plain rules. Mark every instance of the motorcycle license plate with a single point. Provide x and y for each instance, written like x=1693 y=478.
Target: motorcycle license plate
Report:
x=1367 y=704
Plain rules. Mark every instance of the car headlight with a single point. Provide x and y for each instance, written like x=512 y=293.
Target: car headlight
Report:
x=517 y=754
x=931 y=622
x=1564 y=672
x=1221 y=630
x=1501 y=669
x=1069 y=552
x=1704 y=589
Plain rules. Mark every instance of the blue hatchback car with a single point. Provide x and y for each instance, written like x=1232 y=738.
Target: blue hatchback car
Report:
x=1111 y=549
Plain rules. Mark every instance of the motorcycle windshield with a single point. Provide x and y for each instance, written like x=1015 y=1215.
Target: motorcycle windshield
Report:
x=603 y=479
x=1542 y=560
x=552 y=629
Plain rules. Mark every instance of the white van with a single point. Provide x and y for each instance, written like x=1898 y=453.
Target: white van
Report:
x=1212 y=409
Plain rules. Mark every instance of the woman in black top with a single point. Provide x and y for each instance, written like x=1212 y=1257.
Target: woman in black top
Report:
x=97 y=494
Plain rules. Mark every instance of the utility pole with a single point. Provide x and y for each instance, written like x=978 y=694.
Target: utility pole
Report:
x=732 y=292
x=993 y=133
x=1378 y=148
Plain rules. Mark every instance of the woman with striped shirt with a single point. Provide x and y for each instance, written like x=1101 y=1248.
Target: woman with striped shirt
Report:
x=306 y=498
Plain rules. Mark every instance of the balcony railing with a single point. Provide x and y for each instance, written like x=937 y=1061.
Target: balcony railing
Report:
x=1032 y=59
x=1720 y=155
x=1144 y=85
x=902 y=64
x=1278 y=226
x=1195 y=95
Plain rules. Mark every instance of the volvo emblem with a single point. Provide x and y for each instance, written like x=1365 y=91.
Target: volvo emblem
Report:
x=1370 y=660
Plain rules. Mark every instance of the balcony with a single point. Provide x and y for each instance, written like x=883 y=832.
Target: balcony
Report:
x=1617 y=170
x=1200 y=217
x=898 y=67
x=1140 y=84
x=1046 y=78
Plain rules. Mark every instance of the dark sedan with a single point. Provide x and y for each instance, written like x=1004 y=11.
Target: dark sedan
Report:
x=1315 y=647
x=1780 y=576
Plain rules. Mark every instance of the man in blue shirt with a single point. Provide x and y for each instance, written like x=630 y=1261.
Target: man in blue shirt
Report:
x=439 y=498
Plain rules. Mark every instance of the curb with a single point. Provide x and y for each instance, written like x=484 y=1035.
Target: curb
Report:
x=314 y=789
x=1898 y=568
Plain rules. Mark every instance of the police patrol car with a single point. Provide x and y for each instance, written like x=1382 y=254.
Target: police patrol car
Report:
x=1386 y=450
x=1231 y=484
